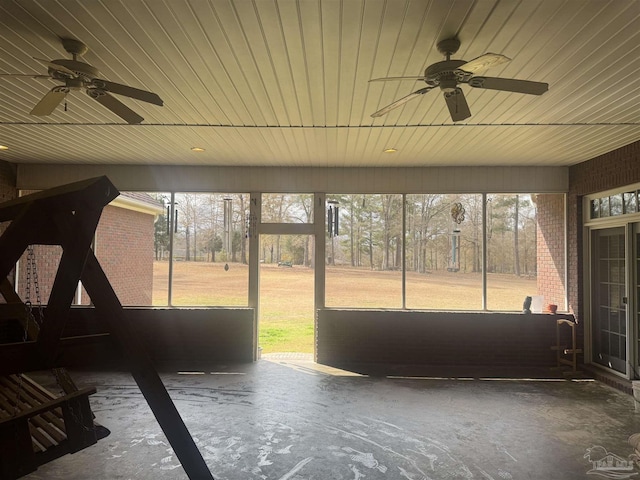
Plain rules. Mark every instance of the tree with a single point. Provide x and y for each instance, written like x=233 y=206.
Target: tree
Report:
x=391 y=224
x=211 y=206
x=427 y=219
x=511 y=218
x=161 y=230
x=304 y=213
x=188 y=206
x=275 y=210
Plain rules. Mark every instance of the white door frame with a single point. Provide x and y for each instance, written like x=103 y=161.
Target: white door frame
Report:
x=315 y=229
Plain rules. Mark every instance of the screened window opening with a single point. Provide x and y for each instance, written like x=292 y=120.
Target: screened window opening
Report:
x=444 y=252
x=511 y=251
x=210 y=254
x=413 y=251
x=428 y=251
x=364 y=255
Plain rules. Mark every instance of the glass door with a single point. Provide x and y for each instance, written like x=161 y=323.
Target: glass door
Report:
x=609 y=298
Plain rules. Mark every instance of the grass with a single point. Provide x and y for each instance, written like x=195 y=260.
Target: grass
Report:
x=287 y=294
x=286 y=336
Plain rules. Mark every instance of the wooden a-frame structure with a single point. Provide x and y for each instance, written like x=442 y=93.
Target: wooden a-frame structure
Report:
x=68 y=216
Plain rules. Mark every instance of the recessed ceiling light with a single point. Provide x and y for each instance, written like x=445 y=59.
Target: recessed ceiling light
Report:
x=197 y=149
x=390 y=150
x=4 y=147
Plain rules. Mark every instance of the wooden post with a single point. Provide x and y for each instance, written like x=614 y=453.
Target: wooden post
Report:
x=75 y=232
x=110 y=311
x=16 y=452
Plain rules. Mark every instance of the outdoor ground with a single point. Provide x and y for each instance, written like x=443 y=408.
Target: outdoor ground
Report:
x=286 y=294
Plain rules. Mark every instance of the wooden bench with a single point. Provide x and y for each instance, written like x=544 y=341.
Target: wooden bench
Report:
x=37 y=427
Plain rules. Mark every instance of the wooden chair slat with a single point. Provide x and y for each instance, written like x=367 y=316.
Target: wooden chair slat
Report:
x=27 y=401
x=40 y=438
x=52 y=430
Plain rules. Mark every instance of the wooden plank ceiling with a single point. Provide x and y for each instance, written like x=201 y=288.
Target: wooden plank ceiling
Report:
x=286 y=82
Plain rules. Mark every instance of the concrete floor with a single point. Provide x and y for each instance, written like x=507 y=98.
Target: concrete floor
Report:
x=290 y=419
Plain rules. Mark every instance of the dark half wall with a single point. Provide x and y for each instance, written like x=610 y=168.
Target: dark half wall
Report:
x=180 y=339
x=452 y=339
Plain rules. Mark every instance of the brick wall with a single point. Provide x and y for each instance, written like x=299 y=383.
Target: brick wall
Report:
x=47 y=258
x=348 y=337
x=124 y=248
x=551 y=248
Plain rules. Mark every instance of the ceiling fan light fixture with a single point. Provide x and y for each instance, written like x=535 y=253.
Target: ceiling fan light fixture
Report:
x=390 y=150
x=197 y=149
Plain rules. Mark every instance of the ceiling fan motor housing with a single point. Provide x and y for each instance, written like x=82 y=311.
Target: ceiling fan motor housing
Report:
x=443 y=74
x=80 y=68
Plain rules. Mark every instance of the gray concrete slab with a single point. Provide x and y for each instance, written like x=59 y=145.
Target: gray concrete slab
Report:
x=291 y=419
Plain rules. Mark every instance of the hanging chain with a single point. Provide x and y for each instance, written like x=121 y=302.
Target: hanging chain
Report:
x=27 y=295
x=36 y=286
x=32 y=278
x=31 y=281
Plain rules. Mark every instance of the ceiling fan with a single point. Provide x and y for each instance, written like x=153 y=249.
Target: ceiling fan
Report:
x=77 y=75
x=449 y=73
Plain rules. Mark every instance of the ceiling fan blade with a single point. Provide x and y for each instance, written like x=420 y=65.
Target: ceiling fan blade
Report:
x=509 y=85
x=115 y=105
x=23 y=75
x=458 y=107
x=400 y=102
x=57 y=67
x=50 y=101
x=483 y=62
x=127 y=91
x=386 y=79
